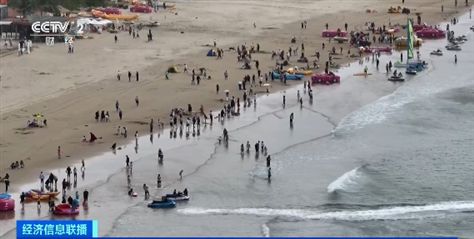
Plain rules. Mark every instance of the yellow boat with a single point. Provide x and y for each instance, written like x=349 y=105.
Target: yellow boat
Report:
x=299 y=72
x=401 y=42
x=97 y=13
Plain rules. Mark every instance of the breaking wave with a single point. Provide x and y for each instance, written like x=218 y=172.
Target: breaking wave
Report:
x=388 y=213
x=344 y=182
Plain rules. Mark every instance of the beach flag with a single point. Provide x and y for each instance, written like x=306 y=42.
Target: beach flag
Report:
x=410 y=39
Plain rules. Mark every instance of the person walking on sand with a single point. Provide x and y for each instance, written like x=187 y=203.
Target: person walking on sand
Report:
x=455 y=59
x=41 y=179
x=7 y=183
x=118 y=75
x=181 y=174
x=217 y=88
x=151 y=125
x=137 y=76
x=129 y=76
x=269 y=159
x=120 y=114
x=59 y=152
x=226 y=75
x=137 y=102
x=116 y=39
x=284 y=101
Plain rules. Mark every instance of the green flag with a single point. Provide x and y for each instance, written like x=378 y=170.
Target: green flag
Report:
x=410 y=39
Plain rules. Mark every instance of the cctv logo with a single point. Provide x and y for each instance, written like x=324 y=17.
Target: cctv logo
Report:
x=49 y=27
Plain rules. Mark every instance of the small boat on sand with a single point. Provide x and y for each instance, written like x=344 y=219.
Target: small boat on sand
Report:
x=326 y=79
x=437 y=52
x=65 y=209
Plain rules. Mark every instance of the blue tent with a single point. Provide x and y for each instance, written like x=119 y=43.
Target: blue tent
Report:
x=211 y=53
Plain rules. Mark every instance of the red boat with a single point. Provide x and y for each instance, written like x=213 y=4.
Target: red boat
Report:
x=334 y=33
x=141 y=8
x=110 y=10
x=326 y=79
x=431 y=33
x=7 y=204
x=418 y=27
x=65 y=209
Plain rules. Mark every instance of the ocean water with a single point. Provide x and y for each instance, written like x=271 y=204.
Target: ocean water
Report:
x=401 y=165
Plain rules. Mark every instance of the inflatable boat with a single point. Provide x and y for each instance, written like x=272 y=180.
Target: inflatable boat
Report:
x=98 y=13
x=65 y=209
x=396 y=78
x=326 y=79
x=431 y=33
x=6 y=202
x=411 y=71
x=334 y=33
x=177 y=197
x=277 y=75
x=436 y=52
x=162 y=204
x=340 y=39
x=299 y=72
x=401 y=42
x=453 y=47
x=35 y=195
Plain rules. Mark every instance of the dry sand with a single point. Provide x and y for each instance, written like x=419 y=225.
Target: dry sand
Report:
x=69 y=88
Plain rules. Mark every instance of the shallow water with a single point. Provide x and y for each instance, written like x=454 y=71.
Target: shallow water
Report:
x=399 y=165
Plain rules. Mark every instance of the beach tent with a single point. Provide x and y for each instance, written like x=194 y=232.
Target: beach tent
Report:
x=93 y=138
x=172 y=69
x=211 y=53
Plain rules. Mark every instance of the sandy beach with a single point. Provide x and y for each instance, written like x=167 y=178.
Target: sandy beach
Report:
x=69 y=88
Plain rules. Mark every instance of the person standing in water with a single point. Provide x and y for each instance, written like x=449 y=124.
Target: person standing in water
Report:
x=160 y=155
x=455 y=59
x=291 y=119
x=158 y=181
x=147 y=193
x=284 y=101
x=269 y=174
x=85 y=196
x=269 y=159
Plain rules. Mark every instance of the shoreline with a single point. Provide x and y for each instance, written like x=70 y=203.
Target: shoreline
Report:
x=97 y=151
x=215 y=105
